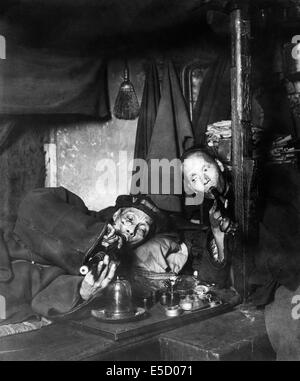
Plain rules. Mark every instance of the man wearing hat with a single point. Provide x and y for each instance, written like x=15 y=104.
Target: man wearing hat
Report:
x=54 y=235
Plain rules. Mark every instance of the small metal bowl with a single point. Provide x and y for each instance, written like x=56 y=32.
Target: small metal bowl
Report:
x=173 y=311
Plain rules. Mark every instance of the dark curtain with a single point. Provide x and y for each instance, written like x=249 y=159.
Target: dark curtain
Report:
x=214 y=100
x=41 y=82
x=40 y=89
x=172 y=134
x=147 y=116
x=22 y=168
x=7 y=132
x=148 y=112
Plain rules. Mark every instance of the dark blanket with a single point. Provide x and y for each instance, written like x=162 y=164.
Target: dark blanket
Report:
x=40 y=259
x=277 y=258
x=56 y=225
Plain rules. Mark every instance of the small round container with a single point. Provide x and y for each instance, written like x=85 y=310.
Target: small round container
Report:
x=201 y=290
x=173 y=311
x=187 y=303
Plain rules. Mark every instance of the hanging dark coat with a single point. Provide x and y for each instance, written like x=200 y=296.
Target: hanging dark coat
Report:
x=148 y=112
x=146 y=121
x=172 y=135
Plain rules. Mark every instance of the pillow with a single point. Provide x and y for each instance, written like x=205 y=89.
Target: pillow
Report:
x=161 y=253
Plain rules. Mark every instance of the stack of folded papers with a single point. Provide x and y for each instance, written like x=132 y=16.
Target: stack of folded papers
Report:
x=217 y=131
x=283 y=150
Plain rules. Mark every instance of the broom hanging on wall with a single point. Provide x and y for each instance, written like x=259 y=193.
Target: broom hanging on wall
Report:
x=126 y=104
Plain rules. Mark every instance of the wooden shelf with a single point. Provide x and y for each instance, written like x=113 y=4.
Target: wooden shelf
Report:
x=156 y=323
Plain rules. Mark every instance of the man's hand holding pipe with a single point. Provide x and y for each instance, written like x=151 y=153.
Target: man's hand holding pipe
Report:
x=105 y=273
x=111 y=236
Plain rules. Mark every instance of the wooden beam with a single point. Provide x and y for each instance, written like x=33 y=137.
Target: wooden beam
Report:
x=242 y=164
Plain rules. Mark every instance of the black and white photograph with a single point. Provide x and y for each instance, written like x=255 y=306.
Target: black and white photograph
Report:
x=149 y=183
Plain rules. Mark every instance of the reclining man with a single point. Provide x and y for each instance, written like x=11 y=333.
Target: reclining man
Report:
x=54 y=233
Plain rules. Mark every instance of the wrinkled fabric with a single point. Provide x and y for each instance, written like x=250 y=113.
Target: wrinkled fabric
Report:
x=41 y=258
x=5 y=266
x=208 y=270
x=22 y=164
x=277 y=258
x=214 y=100
x=172 y=135
x=282 y=319
x=55 y=224
x=35 y=81
x=7 y=129
x=147 y=117
x=27 y=282
x=148 y=112
x=154 y=255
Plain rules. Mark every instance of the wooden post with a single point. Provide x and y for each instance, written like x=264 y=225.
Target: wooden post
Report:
x=242 y=163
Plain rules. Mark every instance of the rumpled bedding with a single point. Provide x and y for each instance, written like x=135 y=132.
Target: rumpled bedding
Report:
x=26 y=326
x=161 y=253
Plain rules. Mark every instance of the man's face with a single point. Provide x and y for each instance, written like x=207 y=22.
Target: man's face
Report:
x=201 y=173
x=133 y=223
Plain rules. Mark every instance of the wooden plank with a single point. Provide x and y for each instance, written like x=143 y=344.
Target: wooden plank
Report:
x=242 y=164
x=156 y=323
x=231 y=336
x=65 y=342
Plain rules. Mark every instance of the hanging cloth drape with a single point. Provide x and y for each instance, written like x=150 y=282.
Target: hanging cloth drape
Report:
x=147 y=116
x=172 y=134
x=148 y=112
x=214 y=100
x=22 y=167
x=36 y=81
